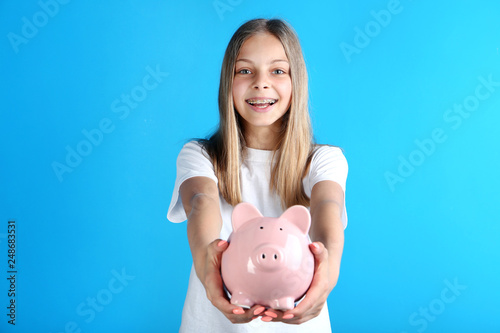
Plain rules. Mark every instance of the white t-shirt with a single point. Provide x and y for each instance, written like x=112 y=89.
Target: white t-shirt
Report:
x=199 y=315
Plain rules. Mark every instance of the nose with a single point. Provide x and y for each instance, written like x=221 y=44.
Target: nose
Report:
x=261 y=81
x=269 y=257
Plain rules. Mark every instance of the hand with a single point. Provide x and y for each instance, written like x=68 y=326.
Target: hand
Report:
x=324 y=280
x=212 y=281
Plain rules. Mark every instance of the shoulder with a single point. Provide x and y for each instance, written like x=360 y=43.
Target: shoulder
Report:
x=194 y=147
x=193 y=152
x=327 y=163
x=328 y=154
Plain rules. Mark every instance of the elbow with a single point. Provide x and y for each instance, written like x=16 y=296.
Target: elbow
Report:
x=326 y=222
x=198 y=193
x=331 y=208
x=202 y=201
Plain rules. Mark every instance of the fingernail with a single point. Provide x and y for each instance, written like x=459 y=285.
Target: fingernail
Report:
x=288 y=316
x=271 y=314
x=259 y=310
x=238 y=311
x=316 y=246
x=222 y=242
x=267 y=319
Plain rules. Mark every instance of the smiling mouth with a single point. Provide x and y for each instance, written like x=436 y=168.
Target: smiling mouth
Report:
x=261 y=103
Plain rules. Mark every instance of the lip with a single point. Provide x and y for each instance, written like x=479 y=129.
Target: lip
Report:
x=260 y=97
x=261 y=110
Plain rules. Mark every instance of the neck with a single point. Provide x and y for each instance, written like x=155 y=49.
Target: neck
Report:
x=264 y=138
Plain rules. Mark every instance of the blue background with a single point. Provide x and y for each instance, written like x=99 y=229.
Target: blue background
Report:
x=408 y=239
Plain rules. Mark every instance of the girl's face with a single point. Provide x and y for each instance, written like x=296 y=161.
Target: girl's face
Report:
x=262 y=87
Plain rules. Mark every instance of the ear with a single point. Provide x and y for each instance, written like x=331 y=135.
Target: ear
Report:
x=300 y=216
x=242 y=213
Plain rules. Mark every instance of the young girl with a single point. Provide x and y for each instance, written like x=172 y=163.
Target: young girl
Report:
x=262 y=153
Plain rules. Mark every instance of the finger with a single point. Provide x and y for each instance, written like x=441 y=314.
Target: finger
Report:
x=315 y=296
x=272 y=315
x=215 y=292
x=308 y=308
x=321 y=274
x=312 y=303
x=217 y=247
x=257 y=310
x=275 y=315
x=238 y=311
x=240 y=315
x=234 y=313
x=221 y=244
x=214 y=285
x=213 y=280
x=319 y=251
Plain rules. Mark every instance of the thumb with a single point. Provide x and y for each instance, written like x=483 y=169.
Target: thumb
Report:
x=218 y=246
x=319 y=251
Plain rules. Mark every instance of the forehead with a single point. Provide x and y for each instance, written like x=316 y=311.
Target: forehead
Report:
x=262 y=47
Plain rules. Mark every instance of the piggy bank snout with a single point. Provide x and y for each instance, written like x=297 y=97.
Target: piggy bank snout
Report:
x=269 y=257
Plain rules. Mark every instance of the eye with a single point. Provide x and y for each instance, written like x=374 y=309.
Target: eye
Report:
x=281 y=229
x=243 y=71
x=262 y=227
x=279 y=71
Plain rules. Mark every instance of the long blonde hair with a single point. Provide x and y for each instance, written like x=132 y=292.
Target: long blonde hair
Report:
x=295 y=145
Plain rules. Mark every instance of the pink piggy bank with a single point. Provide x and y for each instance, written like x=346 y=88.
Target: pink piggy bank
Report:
x=268 y=260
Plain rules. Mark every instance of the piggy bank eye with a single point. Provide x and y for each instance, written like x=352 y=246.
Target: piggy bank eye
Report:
x=281 y=229
x=262 y=227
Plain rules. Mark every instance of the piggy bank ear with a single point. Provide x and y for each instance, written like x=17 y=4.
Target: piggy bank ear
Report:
x=242 y=213
x=298 y=215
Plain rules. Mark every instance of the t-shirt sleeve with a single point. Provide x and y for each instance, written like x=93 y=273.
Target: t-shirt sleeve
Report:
x=192 y=161
x=328 y=163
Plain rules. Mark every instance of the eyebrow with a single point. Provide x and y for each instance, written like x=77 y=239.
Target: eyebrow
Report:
x=272 y=62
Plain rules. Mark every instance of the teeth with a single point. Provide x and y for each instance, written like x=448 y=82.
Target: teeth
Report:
x=261 y=101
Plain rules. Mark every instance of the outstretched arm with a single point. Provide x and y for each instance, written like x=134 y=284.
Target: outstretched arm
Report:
x=327 y=205
x=327 y=234
x=200 y=198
